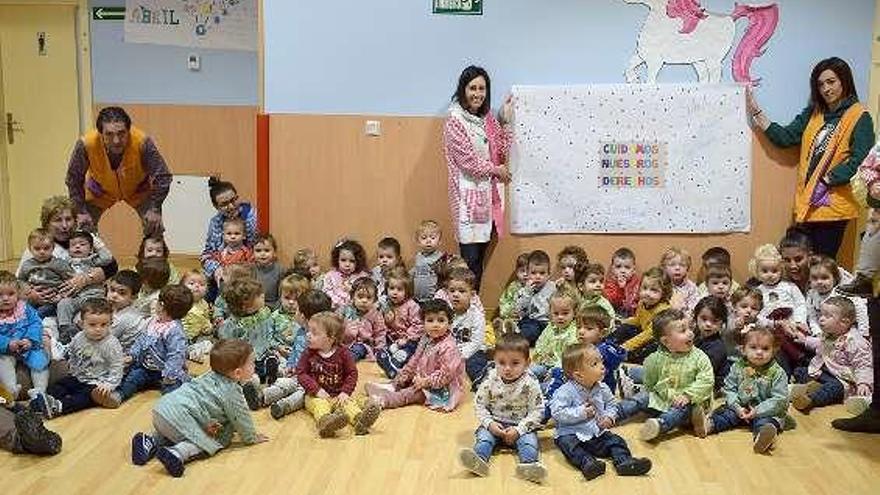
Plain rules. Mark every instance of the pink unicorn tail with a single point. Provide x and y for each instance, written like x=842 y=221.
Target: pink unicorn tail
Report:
x=762 y=24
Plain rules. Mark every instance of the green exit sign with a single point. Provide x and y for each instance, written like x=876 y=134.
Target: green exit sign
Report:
x=458 y=7
x=108 y=13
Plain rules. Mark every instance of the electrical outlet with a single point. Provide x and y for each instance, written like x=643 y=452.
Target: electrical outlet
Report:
x=193 y=61
x=373 y=128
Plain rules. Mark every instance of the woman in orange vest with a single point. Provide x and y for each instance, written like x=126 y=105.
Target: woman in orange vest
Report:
x=835 y=133
x=117 y=162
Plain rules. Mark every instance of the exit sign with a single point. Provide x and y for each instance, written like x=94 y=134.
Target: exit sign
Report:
x=108 y=13
x=458 y=7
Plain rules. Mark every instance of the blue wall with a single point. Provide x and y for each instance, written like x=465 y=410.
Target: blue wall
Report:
x=141 y=73
x=394 y=57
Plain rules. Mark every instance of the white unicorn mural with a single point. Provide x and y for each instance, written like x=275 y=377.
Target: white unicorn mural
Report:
x=682 y=32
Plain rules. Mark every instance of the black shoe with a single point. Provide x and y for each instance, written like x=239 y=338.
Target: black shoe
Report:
x=173 y=464
x=634 y=467
x=867 y=422
x=252 y=396
x=271 y=369
x=861 y=286
x=33 y=435
x=593 y=469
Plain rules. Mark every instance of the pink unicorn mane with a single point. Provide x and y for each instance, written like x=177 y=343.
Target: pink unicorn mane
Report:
x=689 y=11
x=762 y=24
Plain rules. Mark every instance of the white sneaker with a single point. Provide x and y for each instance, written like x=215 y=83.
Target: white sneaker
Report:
x=650 y=430
x=533 y=471
x=857 y=404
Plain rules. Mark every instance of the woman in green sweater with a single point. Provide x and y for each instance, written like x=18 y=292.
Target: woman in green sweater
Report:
x=835 y=134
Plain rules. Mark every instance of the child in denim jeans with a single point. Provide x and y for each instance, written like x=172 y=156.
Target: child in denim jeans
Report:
x=678 y=380
x=509 y=407
x=584 y=409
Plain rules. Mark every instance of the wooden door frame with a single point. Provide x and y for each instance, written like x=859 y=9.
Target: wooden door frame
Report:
x=83 y=32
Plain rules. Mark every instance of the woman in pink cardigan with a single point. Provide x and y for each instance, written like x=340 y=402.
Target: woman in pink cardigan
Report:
x=476 y=146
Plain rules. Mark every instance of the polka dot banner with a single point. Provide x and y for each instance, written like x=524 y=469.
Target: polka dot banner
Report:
x=671 y=158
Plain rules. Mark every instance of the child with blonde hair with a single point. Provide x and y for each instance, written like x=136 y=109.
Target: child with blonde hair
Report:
x=305 y=263
x=349 y=264
x=197 y=323
x=404 y=323
x=434 y=376
x=622 y=282
x=424 y=275
x=676 y=262
x=585 y=410
x=21 y=338
x=364 y=324
x=571 y=263
x=560 y=333
x=636 y=334
x=678 y=380
x=755 y=391
x=509 y=407
x=200 y=418
x=328 y=374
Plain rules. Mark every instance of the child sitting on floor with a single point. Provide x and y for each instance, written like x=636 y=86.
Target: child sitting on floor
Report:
x=234 y=250
x=364 y=324
x=571 y=263
x=158 y=357
x=197 y=323
x=559 y=334
x=509 y=407
x=468 y=324
x=746 y=304
x=591 y=290
x=842 y=367
x=387 y=259
x=269 y=270
x=83 y=259
x=328 y=374
x=95 y=360
x=349 y=264
x=507 y=308
x=824 y=280
x=678 y=380
x=585 y=409
x=636 y=334
x=404 y=322
x=200 y=418
x=21 y=339
x=156 y=247
x=676 y=262
x=710 y=318
x=756 y=392
x=622 y=283
x=128 y=323
x=434 y=374
x=533 y=300
x=155 y=274
x=305 y=263
x=423 y=272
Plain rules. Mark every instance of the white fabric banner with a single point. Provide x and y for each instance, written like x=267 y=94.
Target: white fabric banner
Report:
x=215 y=24
x=642 y=158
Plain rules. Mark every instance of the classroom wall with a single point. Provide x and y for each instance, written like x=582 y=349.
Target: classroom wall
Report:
x=394 y=62
x=204 y=122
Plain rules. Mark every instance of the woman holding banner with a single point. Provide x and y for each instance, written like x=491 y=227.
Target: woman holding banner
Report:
x=835 y=134
x=476 y=145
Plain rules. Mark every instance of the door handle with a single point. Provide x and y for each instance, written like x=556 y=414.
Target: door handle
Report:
x=12 y=127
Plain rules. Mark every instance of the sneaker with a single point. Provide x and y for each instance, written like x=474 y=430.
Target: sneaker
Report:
x=33 y=435
x=287 y=405
x=378 y=392
x=44 y=404
x=857 y=404
x=634 y=466
x=861 y=286
x=593 y=469
x=172 y=462
x=764 y=439
x=363 y=421
x=650 y=430
x=109 y=401
x=473 y=463
x=799 y=394
x=533 y=471
x=252 y=395
x=699 y=421
x=143 y=448
x=330 y=423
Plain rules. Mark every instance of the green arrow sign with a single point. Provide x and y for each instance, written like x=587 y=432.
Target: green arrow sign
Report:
x=108 y=13
x=458 y=7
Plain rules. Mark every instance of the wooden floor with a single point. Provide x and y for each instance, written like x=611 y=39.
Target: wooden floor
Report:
x=414 y=450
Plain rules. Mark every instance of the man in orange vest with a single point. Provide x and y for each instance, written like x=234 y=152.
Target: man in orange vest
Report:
x=117 y=162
